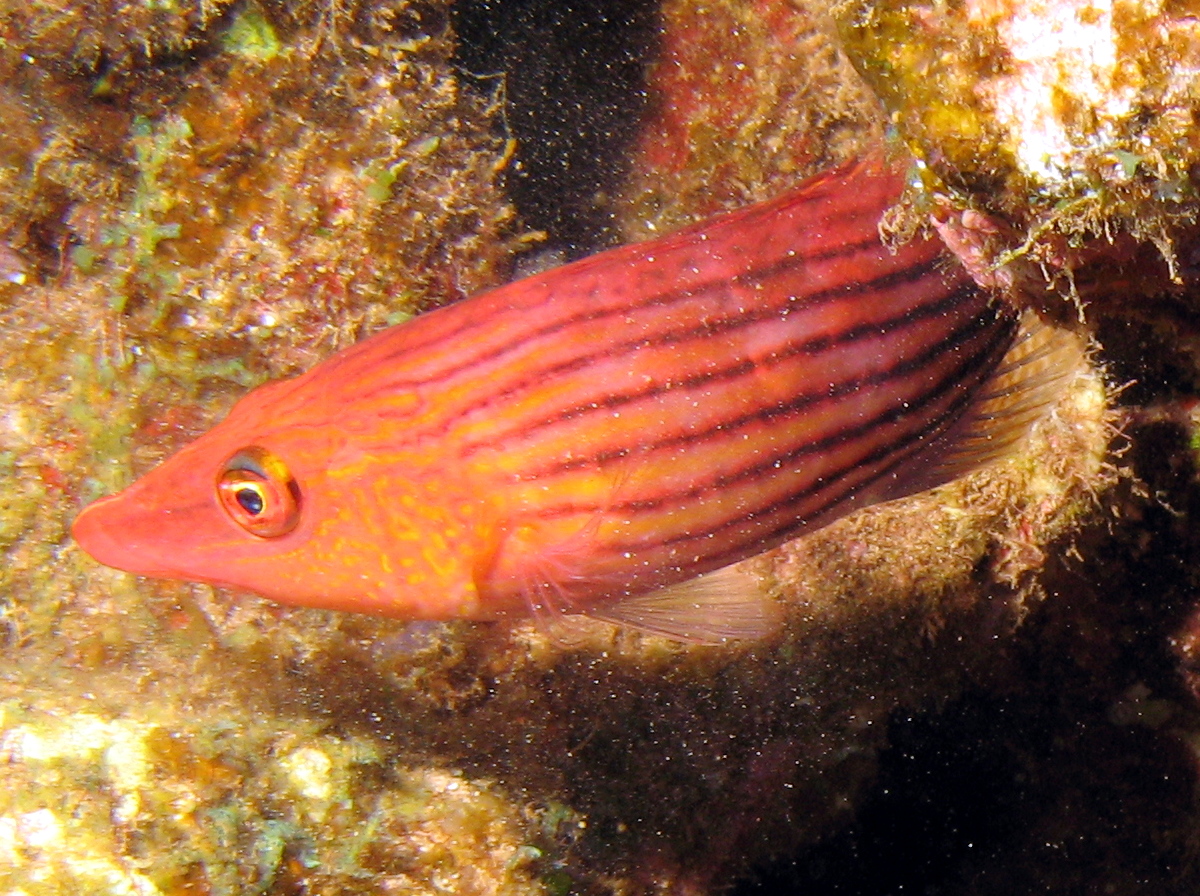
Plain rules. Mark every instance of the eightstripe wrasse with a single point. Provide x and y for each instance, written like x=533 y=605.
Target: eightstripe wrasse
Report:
x=608 y=437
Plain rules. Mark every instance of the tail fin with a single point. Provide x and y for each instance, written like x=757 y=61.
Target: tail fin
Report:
x=1029 y=380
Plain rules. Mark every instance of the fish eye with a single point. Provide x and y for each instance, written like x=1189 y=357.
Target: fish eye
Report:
x=259 y=493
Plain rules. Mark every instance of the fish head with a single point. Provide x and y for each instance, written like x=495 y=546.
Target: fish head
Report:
x=282 y=500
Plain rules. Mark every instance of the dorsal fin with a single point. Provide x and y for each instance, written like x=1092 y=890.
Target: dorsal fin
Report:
x=725 y=605
x=1029 y=380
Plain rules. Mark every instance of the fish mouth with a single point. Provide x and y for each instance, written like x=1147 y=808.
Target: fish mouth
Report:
x=98 y=530
x=130 y=541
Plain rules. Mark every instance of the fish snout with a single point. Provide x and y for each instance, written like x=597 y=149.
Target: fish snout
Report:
x=115 y=532
x=97 y=531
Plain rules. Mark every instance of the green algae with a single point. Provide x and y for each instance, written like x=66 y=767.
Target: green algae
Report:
x=131 y=243
x=251 y=34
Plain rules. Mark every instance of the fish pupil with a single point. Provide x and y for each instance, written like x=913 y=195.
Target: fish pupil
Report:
x=250 y=501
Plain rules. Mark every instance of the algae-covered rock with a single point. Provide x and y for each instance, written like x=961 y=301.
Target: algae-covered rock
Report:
x=89 y=35
x=1066 y=130
x=180 y=229
x=747 y=99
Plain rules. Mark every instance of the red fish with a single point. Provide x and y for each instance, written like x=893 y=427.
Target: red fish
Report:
x=594 y=438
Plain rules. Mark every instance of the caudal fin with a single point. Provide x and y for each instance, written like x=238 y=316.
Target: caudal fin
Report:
x=1029 y=380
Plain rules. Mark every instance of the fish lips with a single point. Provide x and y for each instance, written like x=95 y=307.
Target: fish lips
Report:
x=117 y=532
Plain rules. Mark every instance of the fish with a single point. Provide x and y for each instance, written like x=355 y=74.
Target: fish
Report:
x=610 y=437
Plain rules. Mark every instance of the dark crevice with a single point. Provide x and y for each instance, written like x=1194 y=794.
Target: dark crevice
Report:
x=573 y=82
x=1066 y=772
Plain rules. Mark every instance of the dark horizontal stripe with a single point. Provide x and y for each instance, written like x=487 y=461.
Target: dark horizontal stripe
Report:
x=805 y=400
x=755 y=541
x=976 y=361
x=715 y=230
x=700 y=331
x=664 y=298
x=899 y=451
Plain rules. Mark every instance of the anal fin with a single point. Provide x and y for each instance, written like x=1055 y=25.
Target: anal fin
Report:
x=725 y=605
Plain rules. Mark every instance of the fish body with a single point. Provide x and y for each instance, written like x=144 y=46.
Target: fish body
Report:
x=590 y=434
